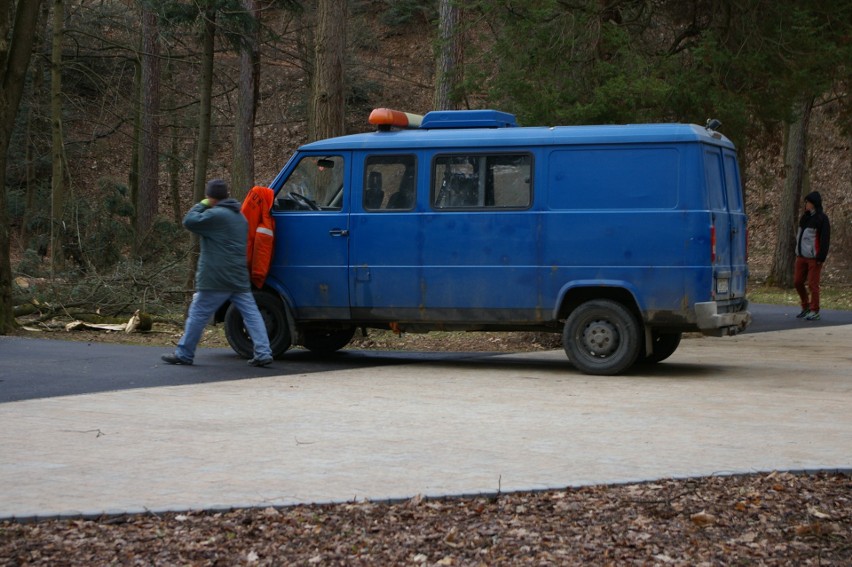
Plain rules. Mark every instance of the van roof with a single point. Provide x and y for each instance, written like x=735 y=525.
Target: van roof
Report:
x=514 y=137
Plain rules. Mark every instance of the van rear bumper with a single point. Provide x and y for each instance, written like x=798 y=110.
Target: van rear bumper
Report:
x=711 y=322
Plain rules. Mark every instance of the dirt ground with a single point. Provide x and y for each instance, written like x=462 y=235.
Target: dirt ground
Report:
x=167 y=334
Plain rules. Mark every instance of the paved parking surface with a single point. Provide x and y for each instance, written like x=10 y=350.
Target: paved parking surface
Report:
x=447 y=426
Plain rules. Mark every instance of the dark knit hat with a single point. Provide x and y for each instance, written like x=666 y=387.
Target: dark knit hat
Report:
x=216 y=189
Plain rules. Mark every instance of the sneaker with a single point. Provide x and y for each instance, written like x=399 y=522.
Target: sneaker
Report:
x=259 y=362
x=175 y=359
x=803 y=314
x=812 y=316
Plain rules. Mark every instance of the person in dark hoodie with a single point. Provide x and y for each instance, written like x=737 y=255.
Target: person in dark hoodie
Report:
x=222 y=274
x=812 y=242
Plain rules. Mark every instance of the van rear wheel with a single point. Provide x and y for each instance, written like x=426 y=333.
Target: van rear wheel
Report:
x=602 y=337
x=272 y=310
x=664 y=346
x=327 y=341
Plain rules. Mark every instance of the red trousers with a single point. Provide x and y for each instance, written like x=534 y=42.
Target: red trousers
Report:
x=807 y=269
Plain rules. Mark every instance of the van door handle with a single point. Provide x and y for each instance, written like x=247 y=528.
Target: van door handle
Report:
x=338 y=232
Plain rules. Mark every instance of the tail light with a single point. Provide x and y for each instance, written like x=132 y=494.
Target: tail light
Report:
x=712 y=243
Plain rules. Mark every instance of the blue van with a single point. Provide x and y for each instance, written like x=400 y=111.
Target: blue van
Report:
x=620 y=237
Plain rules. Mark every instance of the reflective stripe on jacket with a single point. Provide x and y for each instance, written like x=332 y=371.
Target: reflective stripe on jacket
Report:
x=257 y=208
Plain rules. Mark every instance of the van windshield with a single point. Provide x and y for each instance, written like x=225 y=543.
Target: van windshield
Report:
x=320 y=180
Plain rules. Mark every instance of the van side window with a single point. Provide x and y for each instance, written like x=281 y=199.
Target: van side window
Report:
x=315 y=184
x=390 y=182
x=500 y=181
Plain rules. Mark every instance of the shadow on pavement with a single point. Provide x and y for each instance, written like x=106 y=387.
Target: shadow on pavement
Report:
x=42 y=368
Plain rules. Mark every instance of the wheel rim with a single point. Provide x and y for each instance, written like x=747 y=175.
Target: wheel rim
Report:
x=269 y=322
x=600 y=338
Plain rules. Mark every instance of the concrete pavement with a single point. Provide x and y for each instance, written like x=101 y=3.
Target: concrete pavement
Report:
x=478 y=424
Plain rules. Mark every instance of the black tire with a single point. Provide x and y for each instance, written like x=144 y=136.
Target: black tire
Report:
x=664 y=346
x=602 y=337
x=327 y=341
x=272 y=310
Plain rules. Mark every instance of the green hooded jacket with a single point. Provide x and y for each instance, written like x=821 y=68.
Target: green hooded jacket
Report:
x=224 y=234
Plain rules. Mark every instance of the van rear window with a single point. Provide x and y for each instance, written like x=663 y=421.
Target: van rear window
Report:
x=496 y=181
x=614 y=178
x=713 y=179
x=732 y=184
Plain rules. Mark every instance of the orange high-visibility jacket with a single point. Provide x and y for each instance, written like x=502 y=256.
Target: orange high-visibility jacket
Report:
x=257 y=208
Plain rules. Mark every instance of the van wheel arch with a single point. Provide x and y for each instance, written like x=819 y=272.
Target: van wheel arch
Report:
x=579 y=295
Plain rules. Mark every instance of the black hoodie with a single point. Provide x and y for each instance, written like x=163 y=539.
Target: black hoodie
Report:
x=814 y=231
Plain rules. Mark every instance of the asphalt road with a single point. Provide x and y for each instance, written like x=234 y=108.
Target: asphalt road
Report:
x=44 y=368
x=391 y=426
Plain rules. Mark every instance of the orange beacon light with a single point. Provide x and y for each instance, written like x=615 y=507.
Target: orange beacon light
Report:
x=388 y=118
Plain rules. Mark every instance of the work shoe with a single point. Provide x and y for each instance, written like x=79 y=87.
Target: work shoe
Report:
x=175 y=359
x=812 y=316
x=259 y=362
x=803 y=314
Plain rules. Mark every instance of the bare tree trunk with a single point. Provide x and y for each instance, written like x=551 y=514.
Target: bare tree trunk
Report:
x=15 y=54
x=202 y=150
x=57 y=184
x=242 y=167
x=174 y=159
x=174 y=168
x=205 y=95
x=37 y=86
x=795 y=164
x=450 y=56
x=325 y=118
x=136 y=149
x=174 y=178
x=306 y=19
x=149 y=171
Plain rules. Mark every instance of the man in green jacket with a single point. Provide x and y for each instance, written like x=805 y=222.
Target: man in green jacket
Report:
x=222 y=274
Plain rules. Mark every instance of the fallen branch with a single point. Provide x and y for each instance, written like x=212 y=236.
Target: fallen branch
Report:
x=138 y=322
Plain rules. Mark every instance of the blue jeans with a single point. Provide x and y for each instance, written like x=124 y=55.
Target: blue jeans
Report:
x=204 y=305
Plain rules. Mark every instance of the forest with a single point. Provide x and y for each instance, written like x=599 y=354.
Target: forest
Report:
x=114 y=113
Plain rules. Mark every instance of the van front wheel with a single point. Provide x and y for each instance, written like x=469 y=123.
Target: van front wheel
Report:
x=272 y=310
x=602 y=337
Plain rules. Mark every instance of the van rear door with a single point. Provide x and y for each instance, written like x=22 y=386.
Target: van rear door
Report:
x=739 y=225
x=727 y=224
